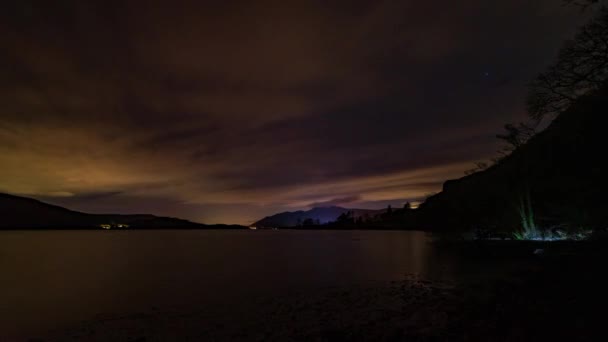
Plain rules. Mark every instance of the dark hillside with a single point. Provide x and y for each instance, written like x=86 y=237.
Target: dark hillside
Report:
x=562 y=169
x=25 y=213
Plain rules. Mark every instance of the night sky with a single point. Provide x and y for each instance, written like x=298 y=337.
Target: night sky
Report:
x=228 y=111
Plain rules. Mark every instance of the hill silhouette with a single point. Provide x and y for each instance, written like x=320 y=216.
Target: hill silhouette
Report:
x=562 y=170
x=18 y=212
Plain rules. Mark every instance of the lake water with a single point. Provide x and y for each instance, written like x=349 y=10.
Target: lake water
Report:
x=55 y=279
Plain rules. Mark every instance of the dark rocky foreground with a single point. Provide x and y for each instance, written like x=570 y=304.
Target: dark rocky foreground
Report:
x=558 y=295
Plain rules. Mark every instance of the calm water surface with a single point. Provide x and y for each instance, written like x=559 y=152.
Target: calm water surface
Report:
x=54 y=279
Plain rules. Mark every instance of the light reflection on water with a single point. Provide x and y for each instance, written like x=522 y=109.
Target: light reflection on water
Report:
x=52 y=279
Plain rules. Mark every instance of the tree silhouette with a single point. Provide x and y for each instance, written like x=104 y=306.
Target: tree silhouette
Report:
x=516 y=136
x=346 y=218
x=582 y=66
x=479 y=166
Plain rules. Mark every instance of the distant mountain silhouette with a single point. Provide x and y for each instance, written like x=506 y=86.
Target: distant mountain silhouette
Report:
x=318 y=215
x=25 y=213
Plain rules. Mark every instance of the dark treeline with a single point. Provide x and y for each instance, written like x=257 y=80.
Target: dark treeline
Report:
x=391 y=218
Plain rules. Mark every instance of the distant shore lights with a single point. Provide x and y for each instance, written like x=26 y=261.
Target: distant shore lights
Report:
x=114 y=225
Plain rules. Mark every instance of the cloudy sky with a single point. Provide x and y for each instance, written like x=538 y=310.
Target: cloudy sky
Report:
x=228 y=111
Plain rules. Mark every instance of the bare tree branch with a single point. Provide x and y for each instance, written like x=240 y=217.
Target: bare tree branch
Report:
x=582 y=65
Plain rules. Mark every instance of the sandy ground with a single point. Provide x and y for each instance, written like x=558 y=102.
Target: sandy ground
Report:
x=560 y=296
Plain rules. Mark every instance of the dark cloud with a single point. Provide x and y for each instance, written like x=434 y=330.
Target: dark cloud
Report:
x=228 y=111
